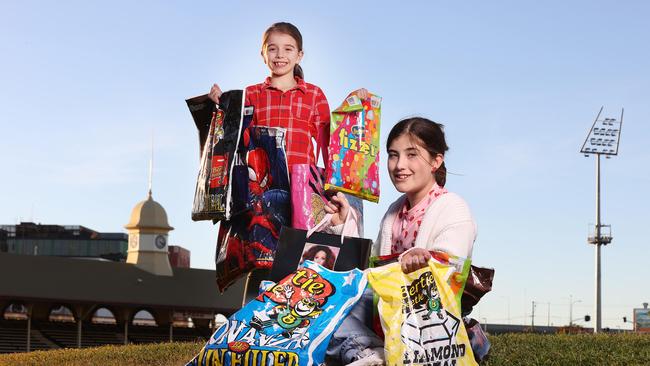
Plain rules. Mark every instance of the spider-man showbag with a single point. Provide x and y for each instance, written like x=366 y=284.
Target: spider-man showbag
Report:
x=354 y=147
x=260 y=171
x=289 y=324
x=260 y=205
x=421 y=315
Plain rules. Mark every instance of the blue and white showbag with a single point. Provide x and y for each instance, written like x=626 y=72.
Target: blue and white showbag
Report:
x=289 y=324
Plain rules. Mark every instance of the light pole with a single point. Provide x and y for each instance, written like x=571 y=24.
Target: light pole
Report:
x=603 y=139
x=532 y=322
x=571 y=302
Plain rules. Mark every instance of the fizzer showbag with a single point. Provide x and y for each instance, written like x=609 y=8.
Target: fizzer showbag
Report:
x=290 y=323
x=353 y=165
x=421 y=315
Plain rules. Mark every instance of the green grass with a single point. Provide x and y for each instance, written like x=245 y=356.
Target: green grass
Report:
x=510 y=349
x=162 y=354
x=570 y=349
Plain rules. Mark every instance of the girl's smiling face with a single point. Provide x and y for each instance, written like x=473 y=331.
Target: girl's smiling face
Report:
x=281 y=54
x=411 y=167
x=320 y=257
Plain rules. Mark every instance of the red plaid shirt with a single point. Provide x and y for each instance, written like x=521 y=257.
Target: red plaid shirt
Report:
x=302 y=110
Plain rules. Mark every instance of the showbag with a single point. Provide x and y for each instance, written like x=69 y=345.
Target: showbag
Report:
x=202 y=109
x=234 y=256
x=353 y=165
x=260 y=205
x=201 y=205
x=421 y=315
x=457 y=278
x=218 y=139
x=334 y=252
x=308 y=198
x=260 y=176
x=289 y=324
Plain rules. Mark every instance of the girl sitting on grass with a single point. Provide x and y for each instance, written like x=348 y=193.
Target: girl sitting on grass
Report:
x=427 y=217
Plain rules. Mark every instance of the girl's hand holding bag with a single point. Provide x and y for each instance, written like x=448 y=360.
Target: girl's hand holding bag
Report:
x=308 y=199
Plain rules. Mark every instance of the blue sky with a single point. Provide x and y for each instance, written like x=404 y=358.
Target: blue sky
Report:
x=517 y=85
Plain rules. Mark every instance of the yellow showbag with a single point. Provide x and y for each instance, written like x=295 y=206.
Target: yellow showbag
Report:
x=421 y=316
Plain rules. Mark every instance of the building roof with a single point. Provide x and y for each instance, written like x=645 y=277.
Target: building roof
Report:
x=69 y=280
x=31 y=230
x=148 y=214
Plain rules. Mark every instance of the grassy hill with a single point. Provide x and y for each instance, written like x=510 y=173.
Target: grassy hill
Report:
x=570 y=349
x=162 y=354
x=509 y=349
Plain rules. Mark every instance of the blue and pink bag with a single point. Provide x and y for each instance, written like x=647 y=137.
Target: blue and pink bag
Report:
x=289 y=324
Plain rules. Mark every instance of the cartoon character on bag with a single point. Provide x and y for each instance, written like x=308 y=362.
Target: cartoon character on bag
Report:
x=420 y=331
x=433 y=302
x=259 y=181
x=290 y=317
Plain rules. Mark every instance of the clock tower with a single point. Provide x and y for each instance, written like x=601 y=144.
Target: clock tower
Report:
x=148 y=235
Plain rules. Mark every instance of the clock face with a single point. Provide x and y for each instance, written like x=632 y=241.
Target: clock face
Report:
x=133 y=241
x=160 y=242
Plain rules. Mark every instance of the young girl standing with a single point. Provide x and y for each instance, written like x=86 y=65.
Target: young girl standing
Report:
x=285 y=100
x=427 y=217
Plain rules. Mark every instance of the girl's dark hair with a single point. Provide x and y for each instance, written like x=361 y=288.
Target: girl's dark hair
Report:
x=430 y=136
x=329 y=255
x=291 y=30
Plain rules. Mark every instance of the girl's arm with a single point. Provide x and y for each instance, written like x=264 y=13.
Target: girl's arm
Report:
x=455 y=229
x=452 y=231
x=321 y=119
x=456 y=239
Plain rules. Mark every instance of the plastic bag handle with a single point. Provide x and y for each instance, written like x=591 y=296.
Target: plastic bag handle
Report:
x=326 y=220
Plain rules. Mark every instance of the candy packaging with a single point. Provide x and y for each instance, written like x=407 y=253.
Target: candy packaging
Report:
x=219 y=139
x=421 y=315
x=354 y=147
x=289 y=324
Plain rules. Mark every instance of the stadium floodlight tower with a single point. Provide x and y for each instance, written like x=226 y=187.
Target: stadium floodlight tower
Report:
x=603 y=139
